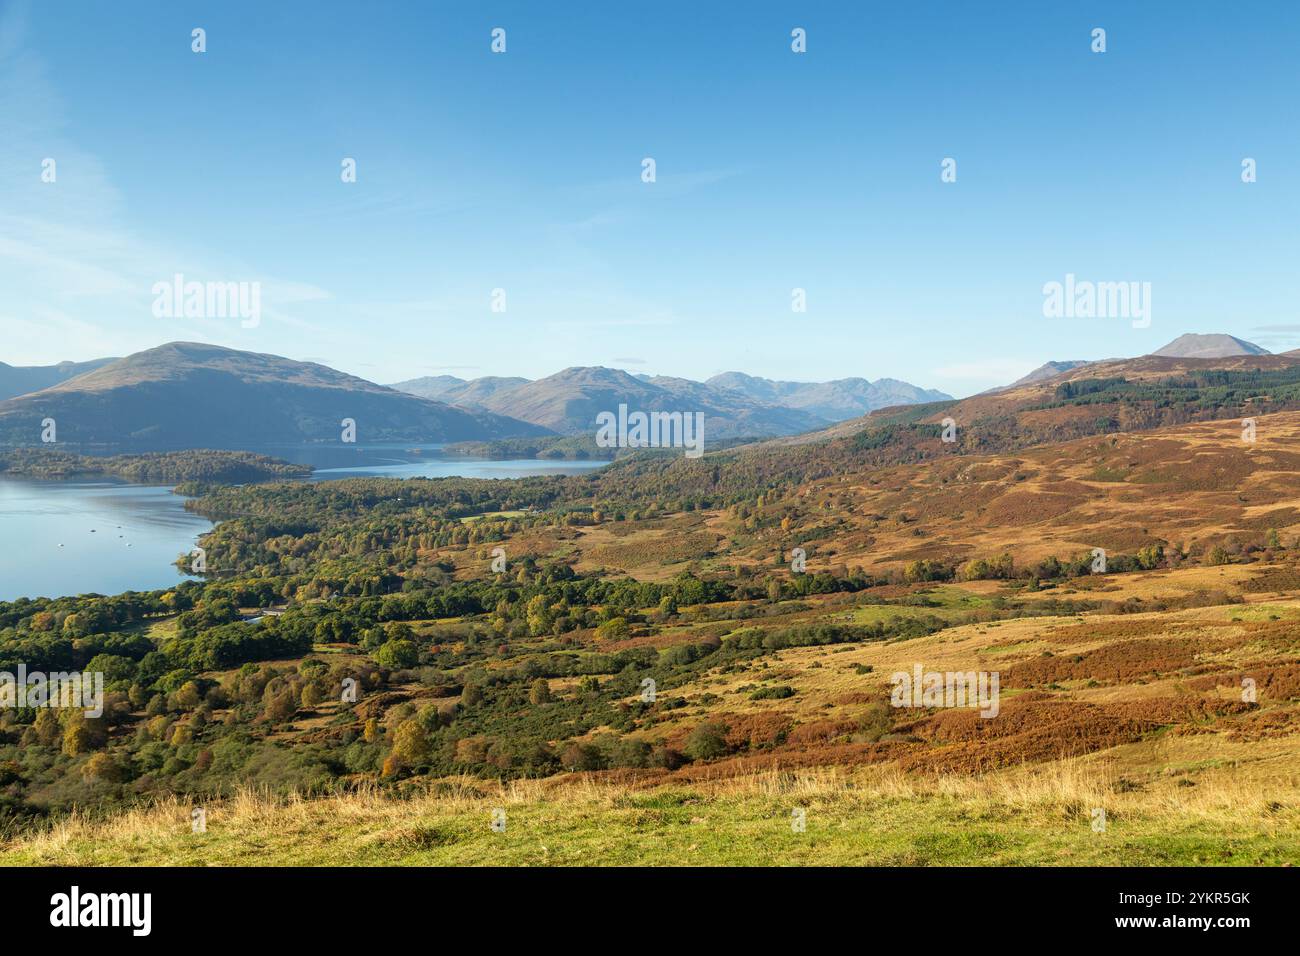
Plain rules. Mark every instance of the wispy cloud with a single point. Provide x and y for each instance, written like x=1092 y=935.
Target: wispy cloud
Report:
x=77 y=282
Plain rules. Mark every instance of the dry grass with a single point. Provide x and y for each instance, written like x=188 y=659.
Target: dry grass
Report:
x=1038 y=815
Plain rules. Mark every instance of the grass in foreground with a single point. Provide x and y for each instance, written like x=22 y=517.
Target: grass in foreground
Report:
x=874 y=816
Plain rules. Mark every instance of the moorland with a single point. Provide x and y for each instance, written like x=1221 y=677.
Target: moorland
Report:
x=632 y=666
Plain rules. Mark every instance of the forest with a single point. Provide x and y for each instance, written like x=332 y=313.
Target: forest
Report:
x=200 y=465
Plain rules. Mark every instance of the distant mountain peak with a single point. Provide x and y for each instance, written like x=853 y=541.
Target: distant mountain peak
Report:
x=835 y=401
x=18 y=380
x=194 y=395
x=1048 y=370
x=1216 y=345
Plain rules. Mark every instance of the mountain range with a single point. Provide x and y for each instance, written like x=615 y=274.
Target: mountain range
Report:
x=187 y=394
x=568 y=402
x=835 y=400
x=734 y=404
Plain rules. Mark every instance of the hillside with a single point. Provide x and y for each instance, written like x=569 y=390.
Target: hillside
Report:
x=1047 y=370
x=1195 y=486
x=20 y=380
x=871 y=816
x=1096 y=397
x=1121 y=689
x=186 y=394
x=1188 y=346
x=1162 y=686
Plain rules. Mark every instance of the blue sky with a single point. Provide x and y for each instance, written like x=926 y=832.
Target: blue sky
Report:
x=775 y=170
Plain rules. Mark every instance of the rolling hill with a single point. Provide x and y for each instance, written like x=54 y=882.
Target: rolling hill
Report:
x=1133 y=395
x=1047 y=370
x=187 y=395
x=20 y=380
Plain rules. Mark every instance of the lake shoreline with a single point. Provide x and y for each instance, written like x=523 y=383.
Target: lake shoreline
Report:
x=140 y=528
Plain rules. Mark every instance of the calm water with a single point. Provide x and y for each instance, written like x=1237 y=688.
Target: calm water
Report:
x=76 y=537
x=334 y=461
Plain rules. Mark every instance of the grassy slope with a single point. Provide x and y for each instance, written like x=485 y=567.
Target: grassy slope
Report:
x=1205 y=797
x=872 y=817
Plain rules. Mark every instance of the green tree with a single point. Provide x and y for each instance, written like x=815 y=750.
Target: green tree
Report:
x=539 y=616
x=411 y=743
x=707 y=741
x=540 y=692
x=189 y=696
x=310 y=697
x=1150 y=557
x=398 y=655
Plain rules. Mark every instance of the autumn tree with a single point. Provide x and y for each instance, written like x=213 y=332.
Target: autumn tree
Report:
x=101 y=767
x=83 y=734
x=540 y=692
x=411 y=743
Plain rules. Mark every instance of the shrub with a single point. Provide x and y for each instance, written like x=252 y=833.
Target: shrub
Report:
x=707 y=741
x=773 y=693
x=101 y=767
x=615 y=629
x=540 y=692
x=398 y=655
x=83 y=734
